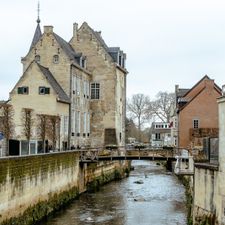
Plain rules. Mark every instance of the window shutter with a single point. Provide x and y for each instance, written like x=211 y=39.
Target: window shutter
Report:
x=19 y=90
x=47 y=90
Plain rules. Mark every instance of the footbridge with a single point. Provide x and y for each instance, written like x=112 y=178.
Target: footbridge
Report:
x=183 y=158
x=99 y=154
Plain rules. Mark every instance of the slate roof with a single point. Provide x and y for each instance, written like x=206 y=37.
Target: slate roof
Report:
x=181 y=92
x=62 y=96
x=37 y=36
x=68 y=49
x=114 y=49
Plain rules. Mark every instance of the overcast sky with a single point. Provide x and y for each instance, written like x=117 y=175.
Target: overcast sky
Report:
x=167 y=42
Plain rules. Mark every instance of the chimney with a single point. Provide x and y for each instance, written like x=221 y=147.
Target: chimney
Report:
x=99 y=33
x=176 y=88
x=48 y=29
x=75 y=29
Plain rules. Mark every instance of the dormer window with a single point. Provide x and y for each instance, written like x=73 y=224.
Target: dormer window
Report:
x=44 y=90
x=55 y=59
x=83 y=63
x=23 y=90
x=37 y=58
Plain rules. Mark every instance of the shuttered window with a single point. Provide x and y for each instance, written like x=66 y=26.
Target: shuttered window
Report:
x=44 y=90
x=23 y=90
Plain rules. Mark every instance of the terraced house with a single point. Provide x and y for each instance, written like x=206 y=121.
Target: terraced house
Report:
x=70 y=95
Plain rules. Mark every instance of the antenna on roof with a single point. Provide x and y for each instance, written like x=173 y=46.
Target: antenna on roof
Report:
x=38 y=10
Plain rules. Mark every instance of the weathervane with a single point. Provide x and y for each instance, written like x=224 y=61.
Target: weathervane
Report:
x=38 y=10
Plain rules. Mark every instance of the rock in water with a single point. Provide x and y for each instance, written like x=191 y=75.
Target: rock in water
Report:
x=89 y=219
x=139 y=182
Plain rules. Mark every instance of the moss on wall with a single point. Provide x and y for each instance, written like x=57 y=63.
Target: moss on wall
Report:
x=204 y=217
x=32 y=166
x=189 y=198
x=44 y=208
x=116 y=174
x=20 y=168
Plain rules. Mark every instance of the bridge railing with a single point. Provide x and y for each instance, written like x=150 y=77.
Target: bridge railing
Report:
x=93 y=154
x=184 y=162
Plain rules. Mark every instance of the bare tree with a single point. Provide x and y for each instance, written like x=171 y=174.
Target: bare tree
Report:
x=161 y=107
x=53 y=129
x=42 y=128
x=6 y=123
x=27 y=123
x=138 y=109
x=131 y=129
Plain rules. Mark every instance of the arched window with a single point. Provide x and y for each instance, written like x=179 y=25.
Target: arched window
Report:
x=55 y=59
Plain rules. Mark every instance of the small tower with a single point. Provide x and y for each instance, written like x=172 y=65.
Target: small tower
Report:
x=37 y=33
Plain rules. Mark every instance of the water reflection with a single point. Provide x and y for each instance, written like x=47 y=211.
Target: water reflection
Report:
x=158 y=199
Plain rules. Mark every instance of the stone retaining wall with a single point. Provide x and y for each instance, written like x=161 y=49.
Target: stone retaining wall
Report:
x=31 y=187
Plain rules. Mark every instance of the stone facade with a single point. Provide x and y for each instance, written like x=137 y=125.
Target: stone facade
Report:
x=30 y=187
x=107 y=66
x=87 y=84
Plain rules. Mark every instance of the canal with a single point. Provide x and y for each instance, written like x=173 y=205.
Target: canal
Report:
x=150 y=195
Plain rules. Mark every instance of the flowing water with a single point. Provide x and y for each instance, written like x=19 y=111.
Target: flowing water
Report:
x=149 y=196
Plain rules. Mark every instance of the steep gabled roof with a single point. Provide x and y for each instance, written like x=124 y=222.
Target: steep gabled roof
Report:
x=100 y=39
x=185 y=98
x=203 y=78
x=109 y=50
x=62 y=96
x=37 y=36
x=68 y=49
x=188 y=102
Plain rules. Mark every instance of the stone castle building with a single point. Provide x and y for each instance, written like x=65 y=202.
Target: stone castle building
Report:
x=75 y=93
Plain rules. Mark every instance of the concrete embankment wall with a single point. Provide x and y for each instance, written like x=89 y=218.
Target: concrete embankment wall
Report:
x=31 y=187
x=206 y=208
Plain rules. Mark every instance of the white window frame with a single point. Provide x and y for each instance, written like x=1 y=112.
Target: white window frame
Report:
x=74 y=84
x=78 y=84
x=95 y=91
x=84 y=123
x=88 y=88
x=66 y=125
x=195 y=123
x=88 y=123
x=85 y=88
x=77 y=123
x=73 y=119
